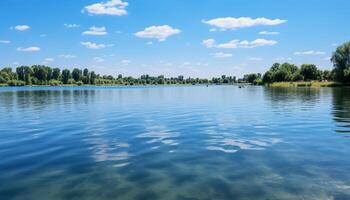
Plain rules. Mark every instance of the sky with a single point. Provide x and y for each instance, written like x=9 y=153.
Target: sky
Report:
x=197 y=38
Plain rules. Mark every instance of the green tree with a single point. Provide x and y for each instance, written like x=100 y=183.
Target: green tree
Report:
x=66 y=75
x=56 y=72
x=28 y=75
x=20 y=73
x=267 y=78
x=308 y=71
x=76 y=74
x=341 y=62
x=93 y=78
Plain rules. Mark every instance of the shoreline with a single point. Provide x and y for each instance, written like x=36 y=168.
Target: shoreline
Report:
x=312 y=84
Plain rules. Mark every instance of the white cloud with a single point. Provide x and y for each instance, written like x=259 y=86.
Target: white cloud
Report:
x=255 y=58
x=221 y=55
x=125 y=62
x=242 y=22
x=112 y=7
x=91 y=45
x=5 y=41
x=29 y=49
x=311 y=52
x=158 y=32
x=209 y=43
x=327 y=58
x=95 y=31
x=99 y=59
x=283 y=58
x=47 y=61
x=149 y=43
x=21 y=27
x=233 y=44
x=66 y=56
x=269 y=33
x=71 y=25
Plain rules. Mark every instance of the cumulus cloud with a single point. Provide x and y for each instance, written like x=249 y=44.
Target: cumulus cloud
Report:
x=242 y=22
x=112 y=7
x=21 y=27
x=66 y=56
x=209 y=43
x=95 y=31
x=269 y=33
x=91 y=45
x=5 y=41
x=311 y=52
x=158 y=32
x=28 y=49
x=234 y=44
x=71 y=25
x=221 y=55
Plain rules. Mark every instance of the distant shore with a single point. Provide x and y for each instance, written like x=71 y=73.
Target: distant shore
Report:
x=314 y=84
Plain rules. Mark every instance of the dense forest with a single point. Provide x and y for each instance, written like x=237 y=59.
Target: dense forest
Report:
x=44 y=75
x=285 y=72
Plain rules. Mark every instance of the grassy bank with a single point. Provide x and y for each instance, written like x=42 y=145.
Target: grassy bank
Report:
x=314 y=84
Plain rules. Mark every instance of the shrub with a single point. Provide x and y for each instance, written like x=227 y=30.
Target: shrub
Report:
x=80 y=83
x=54 y=82
x=15 y=83
x=71 y=81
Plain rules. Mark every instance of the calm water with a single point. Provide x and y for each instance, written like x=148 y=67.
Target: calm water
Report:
x=181 y=143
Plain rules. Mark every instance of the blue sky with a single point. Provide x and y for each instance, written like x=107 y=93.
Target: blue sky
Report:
x=201 y=38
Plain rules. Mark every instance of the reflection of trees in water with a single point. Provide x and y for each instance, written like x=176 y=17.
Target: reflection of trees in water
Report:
x=290 y=98
x=341 y=109
x=41 y=99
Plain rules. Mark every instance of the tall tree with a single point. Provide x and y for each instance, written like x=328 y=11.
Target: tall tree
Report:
x=28 y=75
x=76 y=74
x=56 y=72
x=308 y=71
x=65 y=76
x=341 y=62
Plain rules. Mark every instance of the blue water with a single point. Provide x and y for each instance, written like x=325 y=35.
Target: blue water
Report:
x=181 y=143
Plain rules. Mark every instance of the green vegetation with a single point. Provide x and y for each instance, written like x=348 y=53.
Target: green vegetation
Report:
x=279 y=75
x=44 y=75
x=307 y=75
x=305 y=84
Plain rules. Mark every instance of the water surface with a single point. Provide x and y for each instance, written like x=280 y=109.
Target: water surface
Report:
x=181 y=143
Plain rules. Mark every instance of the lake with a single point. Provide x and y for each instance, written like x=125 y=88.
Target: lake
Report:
x=176 y=143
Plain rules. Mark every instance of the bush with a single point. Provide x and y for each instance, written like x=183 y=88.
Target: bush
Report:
x=258 y=82
x=304 y=84
x=80 y=83
x=54 y=82
x=71 y=81
x=15 y=83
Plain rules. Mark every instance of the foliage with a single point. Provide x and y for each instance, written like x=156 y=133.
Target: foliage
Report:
x=44 y=75
x=289 y=72
x=341 y=62
x=15 y=83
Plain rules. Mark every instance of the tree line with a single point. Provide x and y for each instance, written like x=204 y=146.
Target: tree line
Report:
x=286 y=72
x=44 y=75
